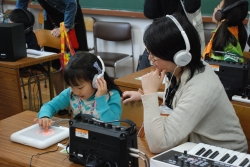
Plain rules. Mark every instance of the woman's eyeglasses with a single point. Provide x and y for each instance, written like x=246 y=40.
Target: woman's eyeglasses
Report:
x=152 y=57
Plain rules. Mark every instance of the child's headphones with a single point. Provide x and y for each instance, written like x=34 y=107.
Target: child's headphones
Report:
x=182 y=57
x=31 y=21
x=98 y=75
x=219 y=14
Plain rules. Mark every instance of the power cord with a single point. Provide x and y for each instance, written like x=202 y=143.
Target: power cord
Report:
x=137 y=154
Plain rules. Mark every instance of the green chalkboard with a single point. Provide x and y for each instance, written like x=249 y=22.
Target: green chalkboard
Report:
x=126 y=5
x=207 y=6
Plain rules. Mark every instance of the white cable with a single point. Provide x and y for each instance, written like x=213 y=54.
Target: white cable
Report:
x=134 y=150
x=138 y=156
x=170 y=81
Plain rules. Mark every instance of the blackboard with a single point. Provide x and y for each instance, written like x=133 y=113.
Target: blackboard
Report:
x=207 y=6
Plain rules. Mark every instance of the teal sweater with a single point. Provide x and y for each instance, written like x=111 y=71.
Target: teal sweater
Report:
x=106 y=108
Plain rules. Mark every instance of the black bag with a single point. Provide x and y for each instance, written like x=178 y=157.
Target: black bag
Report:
x=143 y=61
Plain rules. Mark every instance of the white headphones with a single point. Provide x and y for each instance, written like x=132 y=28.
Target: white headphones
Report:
x=182 y=57
x=98 y=75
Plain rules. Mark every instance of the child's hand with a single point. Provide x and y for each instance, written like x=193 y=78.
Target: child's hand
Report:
x=45 y=122
x=101 y=87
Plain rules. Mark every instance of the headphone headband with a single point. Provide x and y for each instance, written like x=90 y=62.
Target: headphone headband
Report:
x=240 y=2
x=182 y=57
x=219 y=14
x=183 y=33
x=31 y=20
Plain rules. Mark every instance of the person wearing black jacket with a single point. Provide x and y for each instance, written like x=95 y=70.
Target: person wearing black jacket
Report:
x=154 y=9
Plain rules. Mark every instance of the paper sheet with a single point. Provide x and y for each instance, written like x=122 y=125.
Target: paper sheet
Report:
x=37 y=54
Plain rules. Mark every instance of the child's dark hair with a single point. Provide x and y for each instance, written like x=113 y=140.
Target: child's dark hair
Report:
x=233 y=17
x=22 y=16
x=81 y=67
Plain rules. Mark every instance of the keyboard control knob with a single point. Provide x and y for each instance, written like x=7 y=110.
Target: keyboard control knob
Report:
x=102 y=124
x=109 y=126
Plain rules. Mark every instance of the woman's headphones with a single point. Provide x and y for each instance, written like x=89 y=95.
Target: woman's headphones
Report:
x=98 y=75
x=219 y=14
x=182 y=57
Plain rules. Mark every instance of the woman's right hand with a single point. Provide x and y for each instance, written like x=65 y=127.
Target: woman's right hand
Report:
x=130 y=96
x=44 y=122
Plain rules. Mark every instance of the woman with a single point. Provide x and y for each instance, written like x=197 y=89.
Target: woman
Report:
x=230 y=34
x=202 y=111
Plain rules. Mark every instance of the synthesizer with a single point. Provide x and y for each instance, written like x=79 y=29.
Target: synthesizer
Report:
x=200 y=155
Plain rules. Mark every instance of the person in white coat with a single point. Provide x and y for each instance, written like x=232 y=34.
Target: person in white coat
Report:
x=201 y=110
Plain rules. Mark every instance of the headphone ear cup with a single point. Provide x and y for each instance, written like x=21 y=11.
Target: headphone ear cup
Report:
x=182 y=58
x=94 y=81
x=219 y=15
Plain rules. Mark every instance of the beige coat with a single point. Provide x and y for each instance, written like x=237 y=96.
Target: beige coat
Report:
x=202 y=112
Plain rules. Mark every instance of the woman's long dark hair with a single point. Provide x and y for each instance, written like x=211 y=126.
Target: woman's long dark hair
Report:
x=81 y=67
x=233 y=17
x=163 y=39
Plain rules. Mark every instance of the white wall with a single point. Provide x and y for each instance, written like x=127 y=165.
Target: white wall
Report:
x=138 y=27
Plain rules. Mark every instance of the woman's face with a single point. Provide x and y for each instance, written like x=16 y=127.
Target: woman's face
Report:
x=218 y=7
x=161 y=64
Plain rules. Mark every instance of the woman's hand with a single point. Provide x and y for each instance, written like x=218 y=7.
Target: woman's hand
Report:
x=130 y=96
x=56 y=32
x=101 y=87
x=45 y=123
x=152 y=81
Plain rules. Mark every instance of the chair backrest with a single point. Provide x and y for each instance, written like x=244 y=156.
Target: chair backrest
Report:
x=89 y=23
x=40 y=17
x=45 y=38
x=112 y=31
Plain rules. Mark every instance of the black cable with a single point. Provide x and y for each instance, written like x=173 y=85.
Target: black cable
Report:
x=42 y=154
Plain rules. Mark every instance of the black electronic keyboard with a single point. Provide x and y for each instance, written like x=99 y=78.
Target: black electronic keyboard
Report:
x=200 y=155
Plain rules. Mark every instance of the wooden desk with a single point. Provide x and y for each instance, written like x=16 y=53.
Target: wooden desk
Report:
x=134 y=111
x=10 y=87
x=14 y=154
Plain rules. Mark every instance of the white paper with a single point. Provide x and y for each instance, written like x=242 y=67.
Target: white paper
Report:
x=37 y=54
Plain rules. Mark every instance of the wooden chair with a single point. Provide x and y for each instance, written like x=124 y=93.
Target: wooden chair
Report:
x=45 y=38
x=40 y=18
x=89 y=23
x=116 y=33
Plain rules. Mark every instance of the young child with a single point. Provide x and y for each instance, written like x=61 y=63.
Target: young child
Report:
x=27 y=18
x=103 y=102
x=230 y=35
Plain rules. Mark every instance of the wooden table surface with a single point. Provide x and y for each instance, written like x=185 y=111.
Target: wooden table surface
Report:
x=28 y=61
x=18 y=155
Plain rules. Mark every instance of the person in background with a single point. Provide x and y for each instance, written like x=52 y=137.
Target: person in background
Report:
x=27 y=18
x=200 y=108
x=103 y=102
x=154 y=9
x=230 y=34
x=70 y=13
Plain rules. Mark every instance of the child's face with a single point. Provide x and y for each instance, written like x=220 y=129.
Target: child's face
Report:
x=218 y=7
x=84 y=90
